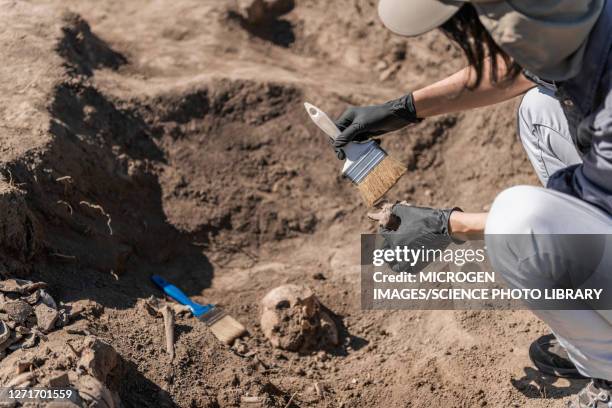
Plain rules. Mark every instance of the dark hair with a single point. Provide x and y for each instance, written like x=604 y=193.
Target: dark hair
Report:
x=466 y=30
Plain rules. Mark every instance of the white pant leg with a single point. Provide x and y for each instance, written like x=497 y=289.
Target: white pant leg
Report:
x=544 y=132
x=586 y=334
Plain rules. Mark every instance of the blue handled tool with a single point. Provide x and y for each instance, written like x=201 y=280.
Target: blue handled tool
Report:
x=178 y=295
x=223 y=326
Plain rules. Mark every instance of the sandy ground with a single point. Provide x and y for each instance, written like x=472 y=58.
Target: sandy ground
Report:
x=169 y=137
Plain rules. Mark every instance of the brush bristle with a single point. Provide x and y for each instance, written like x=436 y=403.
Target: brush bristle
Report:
x=227 y=329
x=384 y=176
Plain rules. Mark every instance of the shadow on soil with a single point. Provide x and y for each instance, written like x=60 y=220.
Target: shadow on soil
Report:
x=536 y=385
x=101 y=203
x=278 y=31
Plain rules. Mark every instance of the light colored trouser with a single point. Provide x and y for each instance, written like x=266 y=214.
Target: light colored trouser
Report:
x=543 y=129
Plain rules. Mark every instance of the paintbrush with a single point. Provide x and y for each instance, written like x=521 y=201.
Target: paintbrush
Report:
x=223 y=326
x=367 y=165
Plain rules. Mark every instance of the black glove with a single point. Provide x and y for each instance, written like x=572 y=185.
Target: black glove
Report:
x=360 y=123
x=419 y=227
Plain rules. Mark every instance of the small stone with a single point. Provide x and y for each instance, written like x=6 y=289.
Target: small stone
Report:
x=319 y=276
x=240 y=347
x=59 y=379
x=23 y=366
x=45 y=317
x=85 y=307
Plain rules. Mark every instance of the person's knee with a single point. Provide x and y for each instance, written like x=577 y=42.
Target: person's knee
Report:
x=521 y=210
x=515 y=212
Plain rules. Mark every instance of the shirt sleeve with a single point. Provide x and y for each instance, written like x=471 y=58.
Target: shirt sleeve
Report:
x=592 y=179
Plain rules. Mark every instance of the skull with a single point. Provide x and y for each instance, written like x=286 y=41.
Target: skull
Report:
x=293 y=319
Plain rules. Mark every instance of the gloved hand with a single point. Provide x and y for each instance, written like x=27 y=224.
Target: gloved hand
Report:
x=418 y=227
x=360 y=123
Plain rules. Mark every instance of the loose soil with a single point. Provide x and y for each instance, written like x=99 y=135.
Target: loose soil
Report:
x=167 y=137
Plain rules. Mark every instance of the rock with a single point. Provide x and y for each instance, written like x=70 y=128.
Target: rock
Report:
x=20 y=379
x=5 y=332
x=240 y=347
x=9 y=341
x=20 y=286
x=58 y=379
x=57 y=364
x=23 y=366
x=95 y=393
x=98 y=358
x=45 y=317
x=32 y=298
x=17 y=310
x=293 y=319
x=85 y=307
x=28 y=341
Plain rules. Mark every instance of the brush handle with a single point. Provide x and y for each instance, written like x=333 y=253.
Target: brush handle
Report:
x=352 y=151
x=322 y=121
x=180 y=296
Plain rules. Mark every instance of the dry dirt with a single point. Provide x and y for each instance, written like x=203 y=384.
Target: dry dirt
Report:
x=169 y=137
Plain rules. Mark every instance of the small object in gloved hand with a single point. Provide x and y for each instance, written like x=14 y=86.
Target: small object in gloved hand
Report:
x=419 y=227
x=386 y=219
x=366 y=165
x=359 y=123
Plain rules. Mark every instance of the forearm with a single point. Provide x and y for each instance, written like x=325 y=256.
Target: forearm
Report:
x=452 y=94
x=466 y=226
